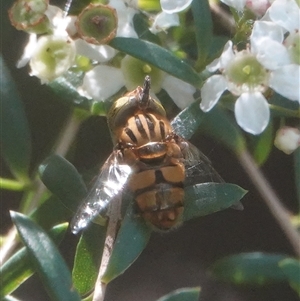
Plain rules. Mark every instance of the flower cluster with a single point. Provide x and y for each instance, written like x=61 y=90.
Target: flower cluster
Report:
x=270 y=61
x=69 y=39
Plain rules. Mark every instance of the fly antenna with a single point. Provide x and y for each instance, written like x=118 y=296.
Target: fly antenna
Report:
x=144 y=98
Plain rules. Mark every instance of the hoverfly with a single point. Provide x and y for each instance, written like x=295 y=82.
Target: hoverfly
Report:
x=149 y=159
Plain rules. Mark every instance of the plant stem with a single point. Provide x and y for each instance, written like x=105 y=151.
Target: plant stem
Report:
x=272 y=201
x=11 y=184
x=111 y=233
x=63 y=143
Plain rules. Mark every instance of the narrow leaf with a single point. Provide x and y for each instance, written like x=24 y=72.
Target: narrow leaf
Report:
x=218 y=124
x=183 y=294
x=132 y=238
x=15 y=136
x=291 y=268
x=18 y=268
x=159 y=57
x=48 y=262
x=203 y=28
x=88 y=258
x=66 y=86
x=63 y=180
x=249 y=268
x=206 y=198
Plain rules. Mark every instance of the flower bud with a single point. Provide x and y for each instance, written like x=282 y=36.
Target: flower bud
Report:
x=97 y=24
x=287 y=139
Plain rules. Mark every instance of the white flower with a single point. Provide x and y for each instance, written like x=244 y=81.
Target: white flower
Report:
x=267 y=40
x=164 y=21
x=174 y=6
x=287 y=139
x=258 y=7
x=286 y=13
x=104 y=81
x=125 y=19
x=52 y=56
x=248 y=74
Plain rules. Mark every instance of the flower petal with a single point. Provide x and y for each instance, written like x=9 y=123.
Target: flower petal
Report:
x=262 y=29
x=98 y=82
x=180 y=91
x=164 y=21
x=271 y=54
x=286 y=81
x=211 y=92
x=221 y=62
x=252 y=112
x=174 y=6
x=237 y=4
x=100 y=53
x=285 y=13
x=28 y=51
x=125 y=19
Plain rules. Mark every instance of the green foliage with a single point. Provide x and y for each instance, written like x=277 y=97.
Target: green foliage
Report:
x=159 y=57
x=250 y=268
x=184 y=53
x=87 y=259
x=14 y=127
x=46 y=259
x=206 y=198
x=19 y=267
x=132 y=238
x=183 y=294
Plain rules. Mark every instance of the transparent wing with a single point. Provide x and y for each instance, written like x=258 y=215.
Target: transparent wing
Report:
x=112 y=178
x=198 y=167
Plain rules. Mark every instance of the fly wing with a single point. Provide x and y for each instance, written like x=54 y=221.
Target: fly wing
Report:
x=112 y=178
x=198 y=167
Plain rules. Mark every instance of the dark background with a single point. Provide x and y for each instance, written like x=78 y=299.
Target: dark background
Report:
x=174 y=260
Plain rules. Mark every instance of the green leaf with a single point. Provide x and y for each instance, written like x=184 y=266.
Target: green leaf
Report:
x=18 y=268
x=203 y=29
x=291 y=268
x=132 y=238
x=88 y=258
x=159 y=57
x=216 y=47
x=297 y=172
x=47 y=260
x=218 y=124
x=183 y=294
x=206 y=198
x=65 y=87
x=141 y=26
x=249 y=268
x=63 y=180
x=262 y=145
x=51 y=212
x=188 y=121
x=15 y=135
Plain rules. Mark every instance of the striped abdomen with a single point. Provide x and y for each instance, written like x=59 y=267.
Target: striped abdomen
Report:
x=144 y=128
